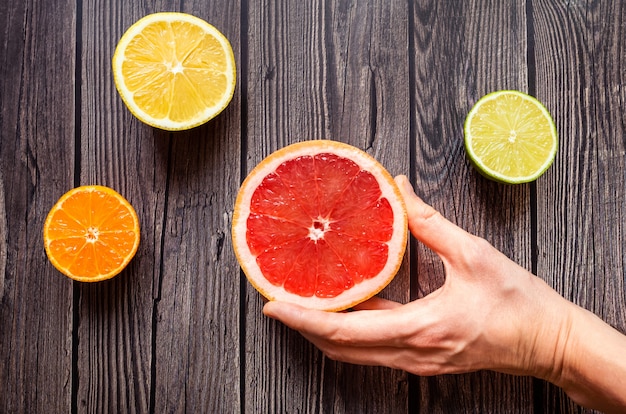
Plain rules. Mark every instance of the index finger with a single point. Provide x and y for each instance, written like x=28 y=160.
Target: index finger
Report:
x=358 y=328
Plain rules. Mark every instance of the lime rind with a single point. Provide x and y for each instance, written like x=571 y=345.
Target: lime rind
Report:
x=498 y=176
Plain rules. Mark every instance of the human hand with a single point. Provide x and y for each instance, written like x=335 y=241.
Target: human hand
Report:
x=489 y=314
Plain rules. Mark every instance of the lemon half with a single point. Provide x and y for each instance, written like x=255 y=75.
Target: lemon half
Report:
x=174 y=71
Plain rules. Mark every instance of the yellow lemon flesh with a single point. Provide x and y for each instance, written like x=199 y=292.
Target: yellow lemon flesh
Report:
x=174 y=71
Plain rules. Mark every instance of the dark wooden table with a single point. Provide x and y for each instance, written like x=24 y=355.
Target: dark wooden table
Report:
x=180 y=330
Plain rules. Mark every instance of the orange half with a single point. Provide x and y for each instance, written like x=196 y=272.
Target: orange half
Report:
x=91 y=233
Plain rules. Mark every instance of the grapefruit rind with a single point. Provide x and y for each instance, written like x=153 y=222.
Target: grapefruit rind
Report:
x=361 y=291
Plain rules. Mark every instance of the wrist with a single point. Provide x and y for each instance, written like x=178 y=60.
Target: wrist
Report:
x=553 y=340
x=546 y=321
x=591 y=367
x=573 y=349
x=540 y=326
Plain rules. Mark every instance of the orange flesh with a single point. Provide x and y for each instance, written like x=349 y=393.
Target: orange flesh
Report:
x=91 y=235
x=318 y=225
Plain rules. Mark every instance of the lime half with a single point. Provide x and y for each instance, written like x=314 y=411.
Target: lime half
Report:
x=510 y=137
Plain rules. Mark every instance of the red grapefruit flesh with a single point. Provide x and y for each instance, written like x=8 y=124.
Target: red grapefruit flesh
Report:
x=321 y=224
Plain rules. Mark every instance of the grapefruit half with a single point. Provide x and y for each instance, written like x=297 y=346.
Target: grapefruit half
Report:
x=321 y=224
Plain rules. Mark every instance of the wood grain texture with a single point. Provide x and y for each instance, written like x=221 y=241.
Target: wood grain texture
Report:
x=197 y=328
x=198 y=313
x=181 y=330
x=460 y=54
x=580 y=51
x=324 y=69
x=37 y=64
x=115 y=336
x=163 y=336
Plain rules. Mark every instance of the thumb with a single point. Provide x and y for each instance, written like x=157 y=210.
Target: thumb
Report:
x=429 y=226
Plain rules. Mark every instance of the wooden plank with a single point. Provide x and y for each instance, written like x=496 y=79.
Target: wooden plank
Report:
x=116 y=318
x=197 y=351
x=368 y=107
x=324 y=70
x=163 y=335
x=197 y=329
x=461 y=52
x=580 y=51
x=37 y=55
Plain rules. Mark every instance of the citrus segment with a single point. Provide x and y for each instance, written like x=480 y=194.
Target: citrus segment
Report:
x=321 y=224
x=91 y=233
x=174 y=71
x=510 y=137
